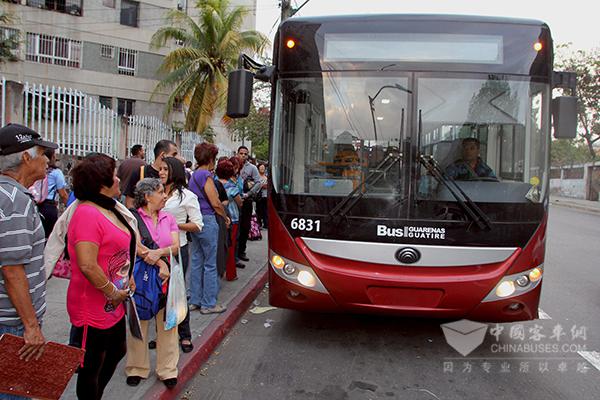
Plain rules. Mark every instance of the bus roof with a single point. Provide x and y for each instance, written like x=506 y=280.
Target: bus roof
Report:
x=416 y=17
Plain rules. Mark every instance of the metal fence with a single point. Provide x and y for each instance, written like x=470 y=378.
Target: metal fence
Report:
x=80 y=124
x=147 y=131
x=189 y=140
x=74 y=120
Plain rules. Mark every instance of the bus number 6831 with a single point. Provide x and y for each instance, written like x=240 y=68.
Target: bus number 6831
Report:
x=305 y=224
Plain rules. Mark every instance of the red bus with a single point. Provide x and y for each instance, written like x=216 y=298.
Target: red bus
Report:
x=409 y=159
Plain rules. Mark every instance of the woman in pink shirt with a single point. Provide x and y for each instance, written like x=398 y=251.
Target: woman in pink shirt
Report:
x=150 y=199
x=102 y=244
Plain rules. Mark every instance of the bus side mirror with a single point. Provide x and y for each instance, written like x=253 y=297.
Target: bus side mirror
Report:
x=564 y=116
x=239 y=93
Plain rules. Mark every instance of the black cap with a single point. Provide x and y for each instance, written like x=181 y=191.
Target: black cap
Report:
x=15 y=138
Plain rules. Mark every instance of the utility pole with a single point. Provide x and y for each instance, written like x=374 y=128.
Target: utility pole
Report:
x=286 y=9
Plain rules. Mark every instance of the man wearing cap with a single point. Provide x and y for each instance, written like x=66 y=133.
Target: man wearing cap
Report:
x=23 y=278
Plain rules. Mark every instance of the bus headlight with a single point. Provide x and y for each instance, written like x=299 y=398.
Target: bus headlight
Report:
x=505 y=289
x=289 y=269
x=535 y=274
x=516 y=285
x=277 y=262
x=307 y=279
x=522 y=281
x=298 y=274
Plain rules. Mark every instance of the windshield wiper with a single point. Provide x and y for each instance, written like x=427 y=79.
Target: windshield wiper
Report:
x=344 y=206
x=465 y=202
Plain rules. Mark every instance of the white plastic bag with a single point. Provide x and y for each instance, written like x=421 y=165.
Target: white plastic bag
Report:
x=177 y=307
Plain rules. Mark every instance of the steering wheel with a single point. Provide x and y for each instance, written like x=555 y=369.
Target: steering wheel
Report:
x=450 y=213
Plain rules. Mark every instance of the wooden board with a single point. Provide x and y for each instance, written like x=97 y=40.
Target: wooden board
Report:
x=45 y=378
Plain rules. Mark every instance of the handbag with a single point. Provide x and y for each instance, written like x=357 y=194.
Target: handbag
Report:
x=148 y=296
x=62 y=268
x=255 y=233
x=176 y=308
x=133 y=318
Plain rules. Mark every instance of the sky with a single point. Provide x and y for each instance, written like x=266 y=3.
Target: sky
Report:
x=575 y=21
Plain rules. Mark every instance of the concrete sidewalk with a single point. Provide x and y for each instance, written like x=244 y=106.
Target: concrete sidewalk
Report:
x=578 y=204
x=207 y=330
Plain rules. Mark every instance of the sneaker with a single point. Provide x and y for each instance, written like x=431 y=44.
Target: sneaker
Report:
x=240 y=265
x=243 y=257
x=218 y=309
x=193 y=307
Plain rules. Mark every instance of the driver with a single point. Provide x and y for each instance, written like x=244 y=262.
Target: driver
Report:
x=470 y=166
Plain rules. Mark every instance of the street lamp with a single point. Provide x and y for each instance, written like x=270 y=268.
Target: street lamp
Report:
x=372 y=102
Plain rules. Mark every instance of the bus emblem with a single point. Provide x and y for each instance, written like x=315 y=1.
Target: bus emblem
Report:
x=408 y=255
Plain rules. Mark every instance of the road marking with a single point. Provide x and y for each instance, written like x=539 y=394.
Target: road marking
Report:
x=542 y=314
x=593 y=357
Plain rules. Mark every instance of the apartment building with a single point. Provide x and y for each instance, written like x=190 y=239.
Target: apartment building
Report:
x=100 y=47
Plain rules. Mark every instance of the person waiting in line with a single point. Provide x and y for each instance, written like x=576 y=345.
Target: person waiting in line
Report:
x=150 y=199
x=163 y=148
x=100 y=239
x=188 y=170
x=204 y=279
x=249 y=176
x=223 y=243
x=57 y=192
x=261 y=203
x=226 y=173
x=470 y=166
x=130 y=165
x=23 y=283
x=184 y=206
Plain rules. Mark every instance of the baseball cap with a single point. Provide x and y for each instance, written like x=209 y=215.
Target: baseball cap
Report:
x=15 y=138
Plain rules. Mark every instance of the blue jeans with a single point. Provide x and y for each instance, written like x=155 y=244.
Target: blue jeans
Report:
x=17 y=331
x=204 y=279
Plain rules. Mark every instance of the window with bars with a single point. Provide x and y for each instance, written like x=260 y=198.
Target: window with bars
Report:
x=72 y=7
x=127 y=61
x=107 y=51
x=55 y=50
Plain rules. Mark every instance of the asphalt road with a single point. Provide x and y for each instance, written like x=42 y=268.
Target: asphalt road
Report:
x=283 y=354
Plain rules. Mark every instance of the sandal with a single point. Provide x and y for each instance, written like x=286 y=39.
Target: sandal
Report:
x=218 y=309
x=186 y=347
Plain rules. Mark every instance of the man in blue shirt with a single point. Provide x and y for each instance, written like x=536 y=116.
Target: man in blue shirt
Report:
x=470 y=166
x=56 y=192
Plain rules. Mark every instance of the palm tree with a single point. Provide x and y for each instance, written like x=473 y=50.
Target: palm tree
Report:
x=196 y=71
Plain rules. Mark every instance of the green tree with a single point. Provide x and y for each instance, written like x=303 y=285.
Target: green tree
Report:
x=10 y=43
x=255 y=127
x=209 y=134
x=568 y=152
x=586 y=64
x=196 y=71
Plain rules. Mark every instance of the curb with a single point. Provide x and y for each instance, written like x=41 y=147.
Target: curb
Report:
x=211 y=337
x=575 y=206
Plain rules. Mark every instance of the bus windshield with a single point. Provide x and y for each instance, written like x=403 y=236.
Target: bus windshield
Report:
x=485 y=133
x=331 y=132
